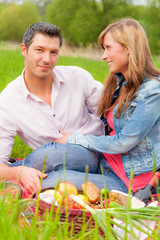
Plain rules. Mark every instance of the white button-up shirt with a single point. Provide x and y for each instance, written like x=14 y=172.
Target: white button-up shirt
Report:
x=74 y=91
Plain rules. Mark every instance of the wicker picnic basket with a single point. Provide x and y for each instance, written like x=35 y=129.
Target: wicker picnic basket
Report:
x=11 y=188
x=75 y=217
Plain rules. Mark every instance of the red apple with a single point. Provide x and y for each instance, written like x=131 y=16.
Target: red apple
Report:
x=67 y=188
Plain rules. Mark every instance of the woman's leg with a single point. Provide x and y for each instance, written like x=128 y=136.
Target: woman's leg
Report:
x=105 y=177
x=61 y=156
x=110 y=180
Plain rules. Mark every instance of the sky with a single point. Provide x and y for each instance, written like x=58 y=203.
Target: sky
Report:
x=137 y=2
x=140 y=2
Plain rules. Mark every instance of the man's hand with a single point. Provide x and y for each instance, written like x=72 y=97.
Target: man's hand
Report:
x=64 y=138
x=30 y=178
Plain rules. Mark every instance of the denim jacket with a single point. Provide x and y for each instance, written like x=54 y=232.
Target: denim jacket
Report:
x=137 y=136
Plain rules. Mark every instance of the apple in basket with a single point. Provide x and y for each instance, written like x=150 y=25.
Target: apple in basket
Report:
x=60 y=194
x=67 y=188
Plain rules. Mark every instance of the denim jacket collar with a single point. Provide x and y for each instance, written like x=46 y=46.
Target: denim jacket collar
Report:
x=121 y=79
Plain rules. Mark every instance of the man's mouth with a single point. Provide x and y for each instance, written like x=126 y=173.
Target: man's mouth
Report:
x=44 y=67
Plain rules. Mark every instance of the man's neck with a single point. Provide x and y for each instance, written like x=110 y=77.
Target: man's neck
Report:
x=42 y=88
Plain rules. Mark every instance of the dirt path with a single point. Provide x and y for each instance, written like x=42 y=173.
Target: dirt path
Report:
x=89 y=52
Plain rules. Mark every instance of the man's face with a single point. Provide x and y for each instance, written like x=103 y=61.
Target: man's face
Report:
x=41 y=56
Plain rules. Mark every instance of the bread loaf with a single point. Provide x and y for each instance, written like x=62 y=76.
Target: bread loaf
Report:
x=91 y=191
x=118 y=197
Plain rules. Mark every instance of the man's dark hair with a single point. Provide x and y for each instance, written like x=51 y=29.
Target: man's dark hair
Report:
x=45 y=28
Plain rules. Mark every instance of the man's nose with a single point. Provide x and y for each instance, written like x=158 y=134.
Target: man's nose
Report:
x=46 y=57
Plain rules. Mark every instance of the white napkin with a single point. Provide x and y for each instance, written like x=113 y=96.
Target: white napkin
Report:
x=139 y=235
x=48 y=197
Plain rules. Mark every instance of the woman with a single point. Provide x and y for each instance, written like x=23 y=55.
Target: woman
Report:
x=135 y=116
x=130 y=104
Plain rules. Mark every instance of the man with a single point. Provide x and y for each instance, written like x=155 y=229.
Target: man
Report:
x=45 y=103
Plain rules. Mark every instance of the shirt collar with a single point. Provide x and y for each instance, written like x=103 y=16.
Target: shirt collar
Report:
x=55 y=83
x=57 y=80
x=23 y=85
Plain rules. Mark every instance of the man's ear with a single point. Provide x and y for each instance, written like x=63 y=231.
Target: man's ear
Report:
x=23 y=50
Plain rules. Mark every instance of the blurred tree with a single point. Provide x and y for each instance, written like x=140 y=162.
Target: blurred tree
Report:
x=86 y=25
x=41 y=6
x=114 y=10
x=15 y=19
x=152 y=19
x=1 y=7
x=62 y=14
x=81 y=21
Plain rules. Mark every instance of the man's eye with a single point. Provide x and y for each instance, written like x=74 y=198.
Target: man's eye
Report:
x=39 y=50
x=54 y=52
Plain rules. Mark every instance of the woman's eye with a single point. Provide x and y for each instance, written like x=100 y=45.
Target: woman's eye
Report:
x=106 y=47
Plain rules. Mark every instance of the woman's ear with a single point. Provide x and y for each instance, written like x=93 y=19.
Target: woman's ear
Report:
x=127 y=50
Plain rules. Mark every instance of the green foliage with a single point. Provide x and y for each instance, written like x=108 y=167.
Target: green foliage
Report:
x=1 y=7
x=153 y=30
x=15 y=19
x=62 y=14
x=86 y=25
x=113 y=10
x=81 y=21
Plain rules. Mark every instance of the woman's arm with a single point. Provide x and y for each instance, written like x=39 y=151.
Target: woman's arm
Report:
x=145 y=115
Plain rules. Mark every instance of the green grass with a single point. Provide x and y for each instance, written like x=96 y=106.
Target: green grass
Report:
x=12 y=64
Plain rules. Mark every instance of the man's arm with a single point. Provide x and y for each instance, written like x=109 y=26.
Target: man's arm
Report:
x=29 y=177
x=93 y=91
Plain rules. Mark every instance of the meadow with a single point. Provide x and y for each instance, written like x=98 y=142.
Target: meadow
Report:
x=12 y=64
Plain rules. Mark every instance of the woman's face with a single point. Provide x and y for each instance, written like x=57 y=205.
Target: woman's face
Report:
x=116 y=55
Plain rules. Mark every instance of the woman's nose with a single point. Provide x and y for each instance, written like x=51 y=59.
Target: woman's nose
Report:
x=104 y=56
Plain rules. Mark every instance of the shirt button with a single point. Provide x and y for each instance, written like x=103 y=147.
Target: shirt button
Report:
x=54 y=115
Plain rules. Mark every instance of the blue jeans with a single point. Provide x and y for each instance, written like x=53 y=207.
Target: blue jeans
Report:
x=68 y=162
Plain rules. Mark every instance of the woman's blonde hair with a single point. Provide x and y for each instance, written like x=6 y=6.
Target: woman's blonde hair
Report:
x=130 y=34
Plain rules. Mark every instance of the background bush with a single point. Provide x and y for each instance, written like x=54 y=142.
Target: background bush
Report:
x=15 y=19
x=81 y=21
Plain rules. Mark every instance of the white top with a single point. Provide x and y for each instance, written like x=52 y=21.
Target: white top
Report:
x=36 y=123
